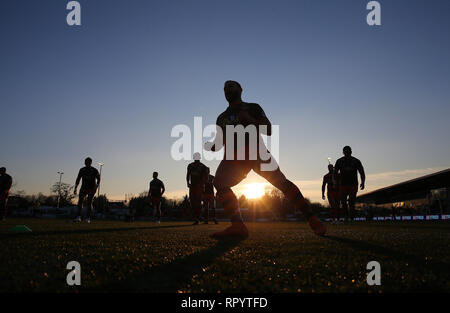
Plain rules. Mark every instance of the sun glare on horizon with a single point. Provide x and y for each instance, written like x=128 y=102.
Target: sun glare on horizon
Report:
x=254 y=190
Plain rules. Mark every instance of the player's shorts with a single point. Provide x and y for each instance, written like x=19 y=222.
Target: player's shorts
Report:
x=155 y=199
x=195 y=195
x=333 y=195
x=88 y=191
x=208 y=197
x=348 y=190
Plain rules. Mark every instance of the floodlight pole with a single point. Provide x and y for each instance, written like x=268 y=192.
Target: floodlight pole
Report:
x=59 y=187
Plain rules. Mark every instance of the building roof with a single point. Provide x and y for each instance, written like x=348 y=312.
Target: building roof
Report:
x=417 y=188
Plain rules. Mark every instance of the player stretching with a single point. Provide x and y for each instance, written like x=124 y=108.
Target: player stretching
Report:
x=232 y=171
x=347 y=167
x=155 y=194
x=208 y=198
x=5 y=185
x=196 y=178
x=331 y=181
x=90 y=180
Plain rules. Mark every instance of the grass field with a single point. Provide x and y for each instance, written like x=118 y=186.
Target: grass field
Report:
x=179 y=257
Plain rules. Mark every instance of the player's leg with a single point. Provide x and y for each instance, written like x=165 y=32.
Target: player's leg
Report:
x=158 y=210
x=90 y=198
x=213 y=207
x=152 y=207
x=193 y=213
x=333 y=200
x=292 y=193
x=228 y=174
x=343 y=200
x=206 y=207
x=332 y=209
x=338 y=205
x=198 y=194
x=3 y=206
x=81 y=197
x=195 y=197
x=352 y=200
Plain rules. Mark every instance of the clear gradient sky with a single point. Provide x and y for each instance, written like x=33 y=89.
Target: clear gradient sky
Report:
x=114 y=87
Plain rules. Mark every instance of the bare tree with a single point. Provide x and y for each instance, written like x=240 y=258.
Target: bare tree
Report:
x=66 y=192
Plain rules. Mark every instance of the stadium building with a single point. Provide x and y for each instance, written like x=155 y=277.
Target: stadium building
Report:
x=425 y=196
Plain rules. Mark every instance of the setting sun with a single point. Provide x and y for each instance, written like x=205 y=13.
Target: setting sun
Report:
x=254 y=190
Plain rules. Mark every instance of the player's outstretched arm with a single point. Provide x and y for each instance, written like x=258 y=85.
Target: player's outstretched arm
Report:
x=323 y=189
x=98 y=178
x=363 y=176
x=188 y=176
x=218 y=141
x=77 y=181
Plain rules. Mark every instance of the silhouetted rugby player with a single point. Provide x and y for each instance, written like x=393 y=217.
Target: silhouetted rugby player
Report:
x=90 y=179
x=331 y=181
x=232 y=171
x=348 y=167
x=196 y=177
x=5 y=185
x=155 y=193
x=208 y=197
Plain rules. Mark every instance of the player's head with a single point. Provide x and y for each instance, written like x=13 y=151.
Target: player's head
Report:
x=330 y=167
x=197 y=156
x=88 y=161
x=155 y=175
x=2 y=170
x=232 y=90
x=347 y=151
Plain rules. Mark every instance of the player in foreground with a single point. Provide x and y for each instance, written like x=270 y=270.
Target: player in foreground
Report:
x=155 y=193
x=331 y=181
x=90 y=179
x=232 y=170
x=208 y=198
x=348 y=167
x=5 y=185
x=196 y=177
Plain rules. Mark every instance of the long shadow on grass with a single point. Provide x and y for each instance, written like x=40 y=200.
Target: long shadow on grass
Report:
x=440 y=268
x=86 y=231
x=170 y=277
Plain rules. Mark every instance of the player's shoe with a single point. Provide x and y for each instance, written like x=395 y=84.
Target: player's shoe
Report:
x=317 y=227
x=88 y=220
x=237 y=229
x=216 y=222
x=158 y=222
x=195 y=223
x=77 y=219
x=205 y=222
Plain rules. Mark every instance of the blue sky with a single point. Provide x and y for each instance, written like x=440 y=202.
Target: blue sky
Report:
x=114 y=87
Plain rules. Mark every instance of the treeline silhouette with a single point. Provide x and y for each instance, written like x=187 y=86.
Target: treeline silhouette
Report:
x=272 y=205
